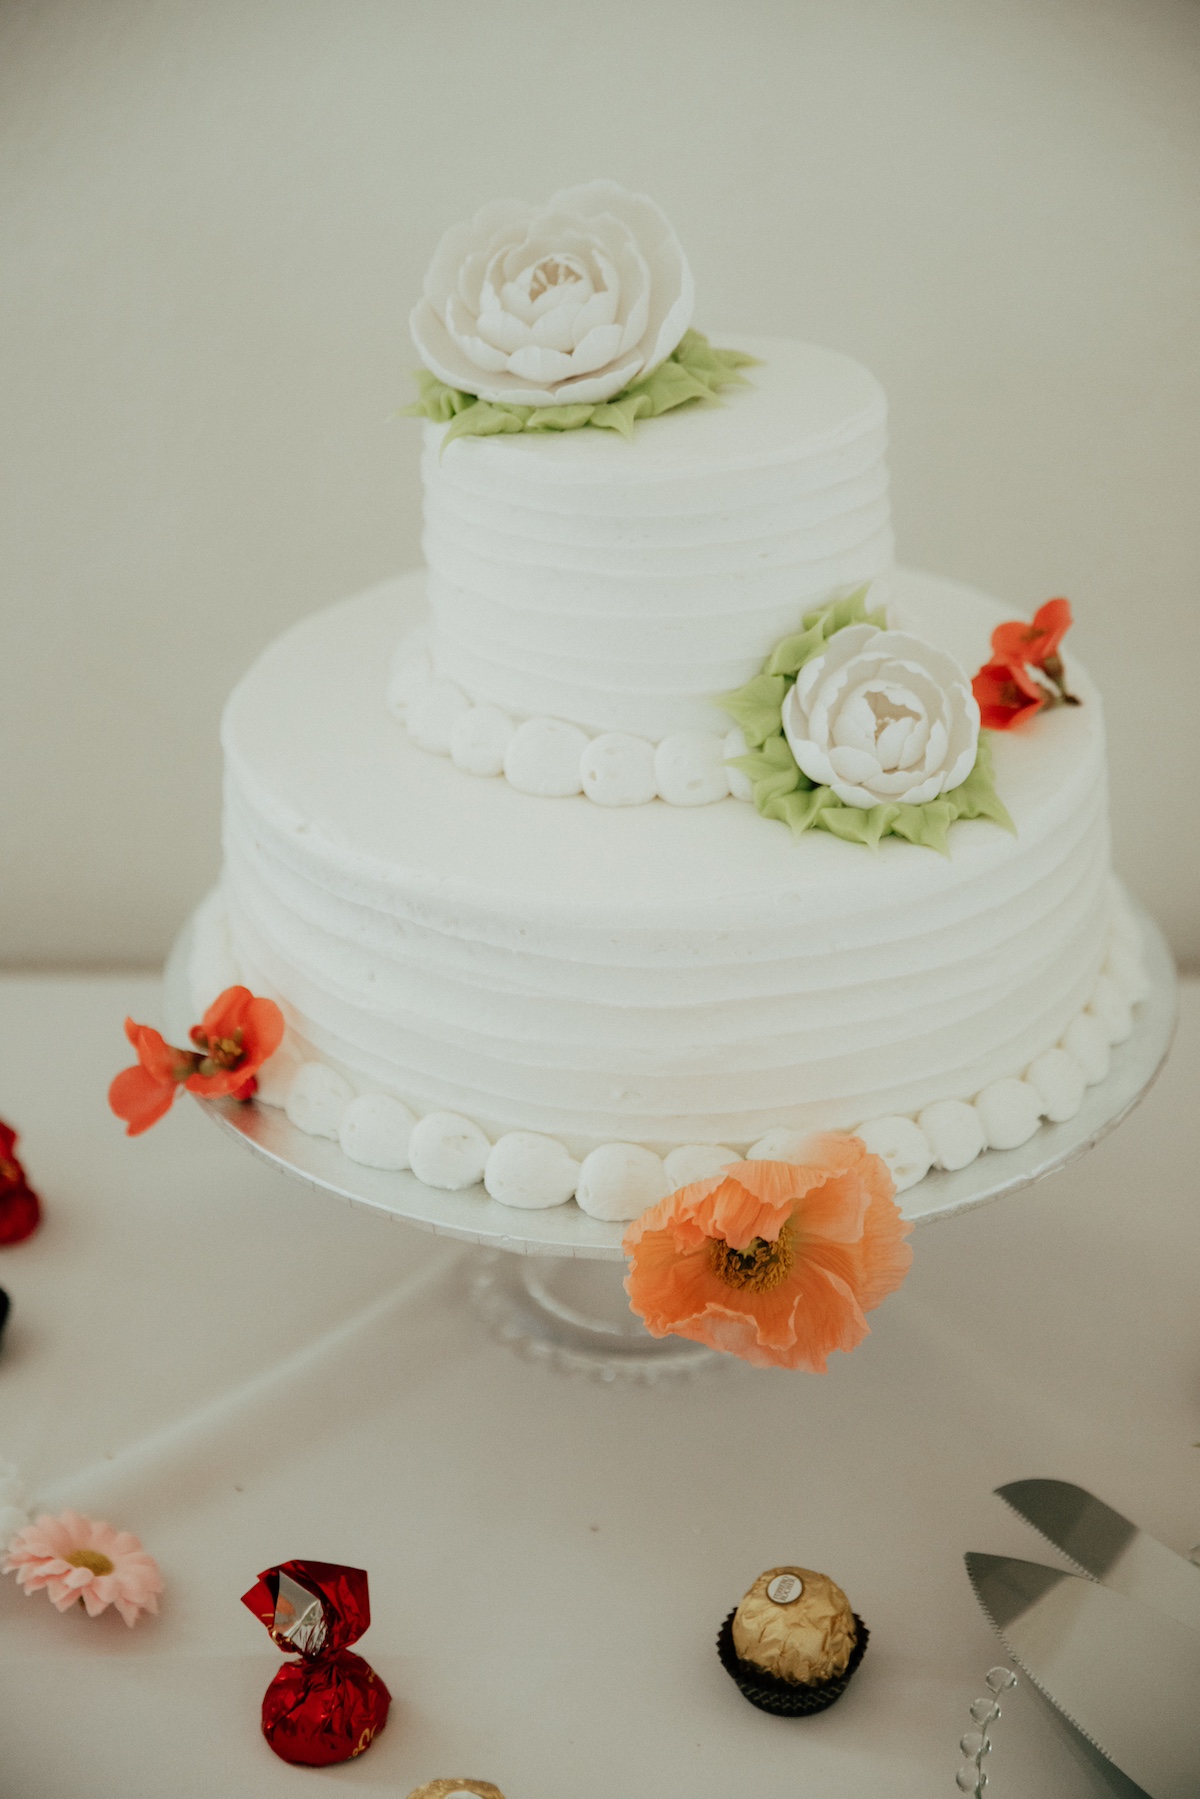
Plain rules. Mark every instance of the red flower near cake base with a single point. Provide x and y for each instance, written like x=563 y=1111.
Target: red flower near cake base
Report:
x=235 y=1037
x=775 y=1262
x=20 y=1207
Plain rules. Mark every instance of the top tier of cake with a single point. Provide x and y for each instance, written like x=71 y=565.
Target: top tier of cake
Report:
x=622 y=585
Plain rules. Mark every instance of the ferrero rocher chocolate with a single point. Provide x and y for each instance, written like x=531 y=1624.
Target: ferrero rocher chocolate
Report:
x=450 y=1789
x=795 y=1624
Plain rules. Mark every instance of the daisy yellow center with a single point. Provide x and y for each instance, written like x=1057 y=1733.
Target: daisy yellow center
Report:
x=91 y=1559
x=761 y=1266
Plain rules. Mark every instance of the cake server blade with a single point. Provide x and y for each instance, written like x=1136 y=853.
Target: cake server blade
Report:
x=1124 y=1675
x=1107 y=1546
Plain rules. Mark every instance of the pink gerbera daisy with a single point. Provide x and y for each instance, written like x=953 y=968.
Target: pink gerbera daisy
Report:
x=77 y=1558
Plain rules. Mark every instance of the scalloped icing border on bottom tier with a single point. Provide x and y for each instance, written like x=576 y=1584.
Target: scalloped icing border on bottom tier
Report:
x=618 y=1181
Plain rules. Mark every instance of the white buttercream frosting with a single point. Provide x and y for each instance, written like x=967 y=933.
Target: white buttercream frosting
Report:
x=954 y=1131
x=620 y=1180
x=620 y=586
x=375 y=1129
x=317 y=1097
x=1011 y=1111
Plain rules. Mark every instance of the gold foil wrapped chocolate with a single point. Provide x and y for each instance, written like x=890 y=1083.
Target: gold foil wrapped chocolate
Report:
x=452 y=1789
x=795 y=1624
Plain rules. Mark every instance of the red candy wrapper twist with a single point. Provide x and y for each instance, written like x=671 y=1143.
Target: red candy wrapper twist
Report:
x=20 y=1207
x=327 y=1706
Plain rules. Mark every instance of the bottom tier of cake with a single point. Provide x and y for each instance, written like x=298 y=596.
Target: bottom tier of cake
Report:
x=566 y=1000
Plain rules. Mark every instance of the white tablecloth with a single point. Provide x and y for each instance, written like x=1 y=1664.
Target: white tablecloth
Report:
x=242 y=1370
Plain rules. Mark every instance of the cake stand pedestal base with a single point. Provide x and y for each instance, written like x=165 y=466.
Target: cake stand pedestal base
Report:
x=573 y=1314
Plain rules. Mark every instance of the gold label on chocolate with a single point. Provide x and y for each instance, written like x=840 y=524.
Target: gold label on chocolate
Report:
x=784 y=1588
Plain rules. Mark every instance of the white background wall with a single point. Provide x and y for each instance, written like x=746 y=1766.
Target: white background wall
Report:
x=214 y=215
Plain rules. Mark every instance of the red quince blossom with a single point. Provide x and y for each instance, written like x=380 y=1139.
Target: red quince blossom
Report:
x=1006 y=695
x=1037 y=642
x=20 y=1207
x=237 y=1034
x=1007 y=688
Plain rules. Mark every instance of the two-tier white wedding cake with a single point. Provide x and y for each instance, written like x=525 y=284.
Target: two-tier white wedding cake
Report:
x=652 y=826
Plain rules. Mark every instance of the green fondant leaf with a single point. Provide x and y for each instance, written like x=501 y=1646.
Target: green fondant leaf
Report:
x=695 y=370
x=977 y=796
x=774 y=786
x=774 y=756
x=928 y=824
x=619 y=415
x=558 y=418
x=671 y=385
x=800 y=810
x=437 y=401
x=757 y=707
x=485 y=420
x=839 y=612
x=789 y=657
x=819 y=625
x=854 y=824
x=718 y=368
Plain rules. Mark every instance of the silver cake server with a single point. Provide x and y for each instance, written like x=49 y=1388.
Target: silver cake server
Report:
x=1123 y=1674
x=1108 y=1547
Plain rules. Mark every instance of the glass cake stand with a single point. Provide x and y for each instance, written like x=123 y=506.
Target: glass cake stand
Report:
x=550 y=1283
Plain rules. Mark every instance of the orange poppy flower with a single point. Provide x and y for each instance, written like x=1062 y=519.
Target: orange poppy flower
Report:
x=775 y=1262
x=1006 y=695
x=236 y=1036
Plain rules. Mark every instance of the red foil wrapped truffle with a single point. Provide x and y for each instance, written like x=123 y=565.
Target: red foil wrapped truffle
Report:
x=327 y=1706
x=20 y=1207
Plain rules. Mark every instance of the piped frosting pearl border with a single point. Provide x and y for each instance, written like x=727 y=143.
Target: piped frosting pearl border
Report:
x=553 y=759
x=618 y=1181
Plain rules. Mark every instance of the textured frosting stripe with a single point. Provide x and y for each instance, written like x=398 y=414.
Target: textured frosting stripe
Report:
x=760 y=518
x=377 y=953
x=680 y=547
x=720 y=1074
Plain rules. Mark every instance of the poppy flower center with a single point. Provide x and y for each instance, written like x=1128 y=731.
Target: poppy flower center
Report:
x=219 y=1052
x=91 y=1559
x=761 y=1266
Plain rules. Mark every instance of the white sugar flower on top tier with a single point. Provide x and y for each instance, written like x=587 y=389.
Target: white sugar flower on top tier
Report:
x=882 y=716
x=554 y=305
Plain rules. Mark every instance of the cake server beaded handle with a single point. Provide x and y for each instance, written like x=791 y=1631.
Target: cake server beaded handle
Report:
x=976 y=1744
